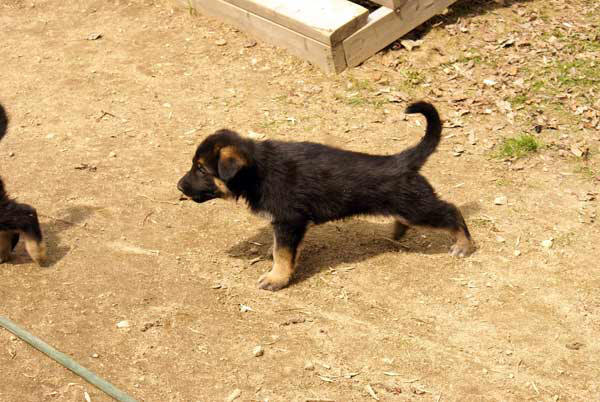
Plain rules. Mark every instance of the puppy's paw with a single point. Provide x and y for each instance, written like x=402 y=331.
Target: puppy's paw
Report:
x=4 y=256
x=37 y=251
x=273 y=281
x=460 y=250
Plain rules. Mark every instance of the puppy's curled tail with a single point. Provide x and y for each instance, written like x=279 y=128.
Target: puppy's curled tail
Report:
x=416 y=156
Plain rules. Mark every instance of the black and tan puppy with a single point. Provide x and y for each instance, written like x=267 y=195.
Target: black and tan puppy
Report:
x=18 y=219
x=300 y=183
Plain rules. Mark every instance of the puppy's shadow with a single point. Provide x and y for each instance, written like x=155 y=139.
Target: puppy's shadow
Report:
x=348 y=242
x=62 y=221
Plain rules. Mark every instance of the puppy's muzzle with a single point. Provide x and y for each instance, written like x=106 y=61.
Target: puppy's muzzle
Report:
x=181 y=185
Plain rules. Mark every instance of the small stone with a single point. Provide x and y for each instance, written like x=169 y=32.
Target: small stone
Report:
x=250 y=43
x=258 y=351
x=123 y=324
x=489 y=82
x=309 y=366
x=94 y=36
x=517 y=253
x=500 y=239
x=112 y=154
x=547 y=243
x=234 y=395
x=458 y=150
x=95 y=355
x=500 y=200
x=220 y=42
x=11 y=154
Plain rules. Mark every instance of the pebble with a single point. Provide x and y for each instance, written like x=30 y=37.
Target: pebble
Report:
x=11 y=154
x=95 y=355
x=547 y=243
x=112 y=154
x=517 y=253
x=220 y=42
x=234 y=395
x=500 y=200
x=309 y=366
x=258 y=351
x=123 y=324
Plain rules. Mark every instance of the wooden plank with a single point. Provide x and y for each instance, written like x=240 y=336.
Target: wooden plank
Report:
x=328 y=58
x=385 y=26
x=328 y=21
x=393 y=4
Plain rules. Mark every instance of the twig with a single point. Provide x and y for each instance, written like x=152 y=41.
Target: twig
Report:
x=164 y=202
x=289 y=309
x=146 y=217
x=105 y=114
x=397 y=243
x=318 y=400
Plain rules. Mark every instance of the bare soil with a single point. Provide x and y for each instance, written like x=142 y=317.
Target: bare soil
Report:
x=102 y=129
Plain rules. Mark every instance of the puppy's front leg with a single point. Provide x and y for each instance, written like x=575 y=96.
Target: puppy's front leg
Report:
x=287 y=239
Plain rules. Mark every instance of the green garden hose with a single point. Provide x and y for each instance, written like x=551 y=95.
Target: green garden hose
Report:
x=65 y=361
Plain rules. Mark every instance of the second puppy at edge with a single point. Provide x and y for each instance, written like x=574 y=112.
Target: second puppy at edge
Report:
x=300 y=183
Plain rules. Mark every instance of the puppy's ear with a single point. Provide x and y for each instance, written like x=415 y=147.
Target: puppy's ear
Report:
x=231 y=161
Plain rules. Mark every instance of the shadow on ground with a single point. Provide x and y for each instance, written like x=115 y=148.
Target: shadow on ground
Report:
x=349 y=242
x=67 y=219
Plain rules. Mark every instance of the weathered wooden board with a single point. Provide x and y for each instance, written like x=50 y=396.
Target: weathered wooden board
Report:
x=385 y=26
x=393 y=4
x=327 y=21
x=328 y=58
x=331 y=34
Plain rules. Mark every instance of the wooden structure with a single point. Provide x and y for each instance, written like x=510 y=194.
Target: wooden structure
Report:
x=332 y=34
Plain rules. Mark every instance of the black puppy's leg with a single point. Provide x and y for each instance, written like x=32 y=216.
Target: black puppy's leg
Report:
x=400 y=228
x=444 y=215
x=5 y=245
x=287 y=239
x=22 y=219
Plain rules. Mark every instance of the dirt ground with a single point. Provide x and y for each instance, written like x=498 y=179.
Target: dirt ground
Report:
x=102 y=129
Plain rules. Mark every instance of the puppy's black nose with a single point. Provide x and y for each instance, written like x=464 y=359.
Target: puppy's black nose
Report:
x=180 y=186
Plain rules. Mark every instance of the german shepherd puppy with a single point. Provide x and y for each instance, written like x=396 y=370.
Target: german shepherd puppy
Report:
x=296 y=184
x=18 y=219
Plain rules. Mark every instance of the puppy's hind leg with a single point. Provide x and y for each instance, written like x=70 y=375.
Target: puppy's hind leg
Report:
x=22 y=219
x=287 y=239
x=5 y=245
x=445 y=216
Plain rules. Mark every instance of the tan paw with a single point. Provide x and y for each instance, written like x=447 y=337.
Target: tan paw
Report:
x=37 y=251
x=460 y=250
x=273 y=281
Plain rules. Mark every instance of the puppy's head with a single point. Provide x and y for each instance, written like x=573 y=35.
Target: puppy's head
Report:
x=217 y=164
